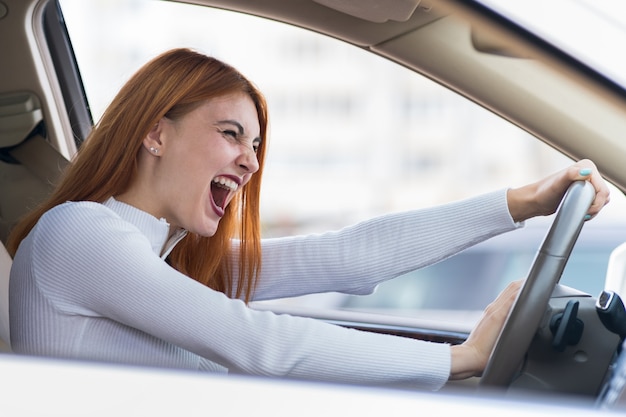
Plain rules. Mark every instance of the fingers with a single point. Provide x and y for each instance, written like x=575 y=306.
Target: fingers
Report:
x=501 y=306
x=587 y=170
x=470 y=358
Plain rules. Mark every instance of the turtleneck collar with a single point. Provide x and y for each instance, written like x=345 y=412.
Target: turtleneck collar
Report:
x=156 y=230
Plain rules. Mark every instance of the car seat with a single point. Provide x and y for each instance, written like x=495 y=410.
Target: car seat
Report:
x=29 y=168
x=5 y=269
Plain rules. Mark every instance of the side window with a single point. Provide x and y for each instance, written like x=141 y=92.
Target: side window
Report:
x=352 y=135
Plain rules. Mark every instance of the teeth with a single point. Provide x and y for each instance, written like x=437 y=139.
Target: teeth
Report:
x=225 y=183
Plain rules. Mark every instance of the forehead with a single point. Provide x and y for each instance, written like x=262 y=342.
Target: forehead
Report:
x=235 y=107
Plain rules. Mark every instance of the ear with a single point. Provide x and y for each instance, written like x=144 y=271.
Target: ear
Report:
x=152 y=142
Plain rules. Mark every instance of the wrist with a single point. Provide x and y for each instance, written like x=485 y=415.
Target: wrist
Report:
x=520 y=203
x=463 y=362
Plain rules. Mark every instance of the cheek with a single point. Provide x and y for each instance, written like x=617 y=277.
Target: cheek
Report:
x=183 y=176
x=246 y=179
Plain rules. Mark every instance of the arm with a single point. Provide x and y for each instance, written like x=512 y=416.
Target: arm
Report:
x=357 y=258
x=91 y=263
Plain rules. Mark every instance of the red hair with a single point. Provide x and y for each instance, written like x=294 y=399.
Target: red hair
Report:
x=170 y=85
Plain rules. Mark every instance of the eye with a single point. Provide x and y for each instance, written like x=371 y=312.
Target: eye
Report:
x=230 y=133
x=256 y=145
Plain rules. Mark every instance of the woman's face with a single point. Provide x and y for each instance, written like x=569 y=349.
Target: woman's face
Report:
x=203 y=160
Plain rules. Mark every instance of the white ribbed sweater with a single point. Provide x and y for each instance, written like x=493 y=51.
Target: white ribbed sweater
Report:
x=89 y=282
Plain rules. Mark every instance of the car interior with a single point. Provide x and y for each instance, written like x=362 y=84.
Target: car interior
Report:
x=462 y=45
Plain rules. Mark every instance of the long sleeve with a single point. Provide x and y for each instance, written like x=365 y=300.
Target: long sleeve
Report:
x=357 y=258
x=87 y=284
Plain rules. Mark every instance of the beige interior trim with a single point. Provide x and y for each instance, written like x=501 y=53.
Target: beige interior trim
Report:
x=41 y=159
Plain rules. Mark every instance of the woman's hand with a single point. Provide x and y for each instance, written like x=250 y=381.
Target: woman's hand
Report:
x=543 y=197
x=470 y=358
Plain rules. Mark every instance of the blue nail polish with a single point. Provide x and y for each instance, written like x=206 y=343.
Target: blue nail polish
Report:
x=587 y=217
x=585 y=171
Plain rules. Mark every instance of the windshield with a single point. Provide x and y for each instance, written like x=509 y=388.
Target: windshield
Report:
x=567 y=24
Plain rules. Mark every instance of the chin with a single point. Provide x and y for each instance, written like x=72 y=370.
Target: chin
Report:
x=205 y=232
x=208 y=230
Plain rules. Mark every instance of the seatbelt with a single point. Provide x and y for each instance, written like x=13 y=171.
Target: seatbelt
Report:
x=22 y=137
x=40 y=158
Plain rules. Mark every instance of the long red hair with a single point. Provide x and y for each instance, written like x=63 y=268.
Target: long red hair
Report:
x=171 y=85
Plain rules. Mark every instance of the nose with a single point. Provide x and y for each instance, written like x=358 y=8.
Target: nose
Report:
x=248 y=161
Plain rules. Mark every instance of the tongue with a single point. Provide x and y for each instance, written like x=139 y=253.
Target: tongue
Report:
x=219 y=195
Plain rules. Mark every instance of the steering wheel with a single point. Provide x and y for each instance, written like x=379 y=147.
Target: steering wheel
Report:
x=532 y=301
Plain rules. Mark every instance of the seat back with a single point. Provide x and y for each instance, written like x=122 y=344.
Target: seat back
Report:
x=29 y=168
x=5 y=269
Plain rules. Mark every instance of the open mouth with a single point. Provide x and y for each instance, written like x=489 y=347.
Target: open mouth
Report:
x=221 y=187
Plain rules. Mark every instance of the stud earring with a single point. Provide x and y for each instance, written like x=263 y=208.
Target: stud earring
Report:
x=154 y=150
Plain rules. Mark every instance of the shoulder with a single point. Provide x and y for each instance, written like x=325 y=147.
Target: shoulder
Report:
x=77 y=209
x=86 y=230
x=78 y=219
x=73 y=216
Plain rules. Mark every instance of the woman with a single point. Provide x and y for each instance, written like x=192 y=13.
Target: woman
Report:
x=167 y=188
